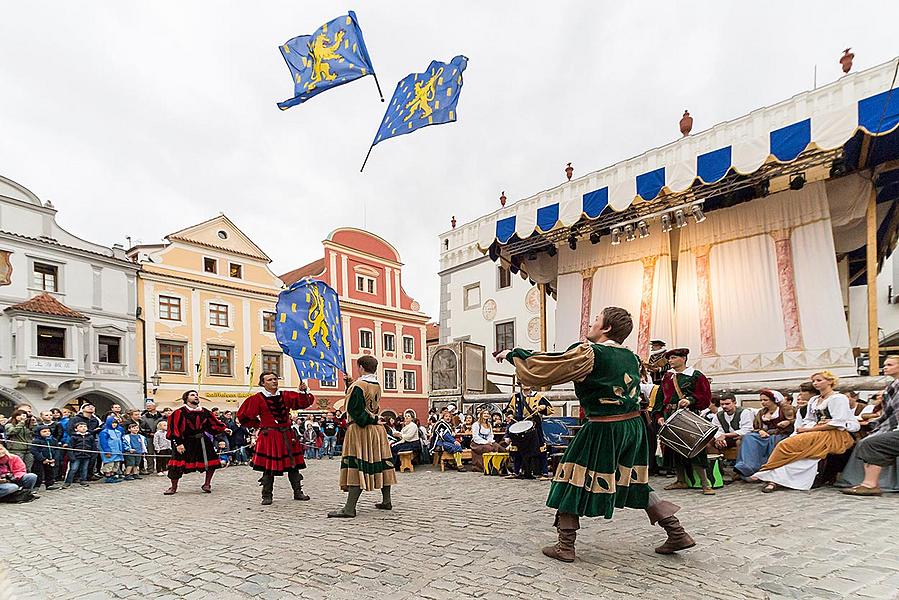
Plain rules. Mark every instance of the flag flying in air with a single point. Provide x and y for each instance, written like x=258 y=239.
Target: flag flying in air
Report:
x=335 y=54
x=309 y=331
x=423 y=99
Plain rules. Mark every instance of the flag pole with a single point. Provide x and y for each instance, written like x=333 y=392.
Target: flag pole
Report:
x=378 y=85
x=366 y=157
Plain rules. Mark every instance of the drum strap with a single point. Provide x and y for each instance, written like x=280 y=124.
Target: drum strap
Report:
x=680 y=394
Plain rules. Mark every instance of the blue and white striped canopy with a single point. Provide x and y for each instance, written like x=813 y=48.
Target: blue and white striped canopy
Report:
x=825 y=118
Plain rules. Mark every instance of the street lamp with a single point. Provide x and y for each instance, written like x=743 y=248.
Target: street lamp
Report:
x=155 y=380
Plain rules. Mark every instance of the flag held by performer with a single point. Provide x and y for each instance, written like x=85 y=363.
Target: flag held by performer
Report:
x=422 y=99
x=333 y=55
x=308 y=329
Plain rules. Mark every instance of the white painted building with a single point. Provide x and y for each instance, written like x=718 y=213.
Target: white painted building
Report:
x=67 y=312
x=887 y=308
x=486 y=304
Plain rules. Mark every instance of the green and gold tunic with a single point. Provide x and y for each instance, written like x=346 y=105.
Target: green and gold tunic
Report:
x=605 y=466
x=366 y=461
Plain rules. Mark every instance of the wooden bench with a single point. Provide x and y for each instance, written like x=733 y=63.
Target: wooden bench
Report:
x=406 y=461
x=441 y=458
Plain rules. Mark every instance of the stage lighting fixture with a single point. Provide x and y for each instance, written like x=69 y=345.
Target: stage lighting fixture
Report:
x=838 y=168
x=572 y=242
x=616 y=236
x=629 y=233
x=666 y=222
x=696 y=211
x=552 y=250
x=680 y=219
x=797 y=181
x=762 y=188
x=643 y=229
x=595 y=237
x=532 y=255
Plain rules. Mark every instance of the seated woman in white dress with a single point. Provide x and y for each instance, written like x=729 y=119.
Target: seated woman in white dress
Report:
x=825 y=429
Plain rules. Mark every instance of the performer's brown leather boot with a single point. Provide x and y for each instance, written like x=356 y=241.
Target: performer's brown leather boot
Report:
x=268 y=486
x=678 y=539
x=296 y=482
x=567 y=525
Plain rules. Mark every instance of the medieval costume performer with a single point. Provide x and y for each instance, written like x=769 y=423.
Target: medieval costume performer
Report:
x=367 y=463
x=685 y=387
x=191 y=430
x=605 y=466
x=826 y=429
x=278 y=450
x=651 y=403
x=444 y=439
x=772 y=424
x=531 y=406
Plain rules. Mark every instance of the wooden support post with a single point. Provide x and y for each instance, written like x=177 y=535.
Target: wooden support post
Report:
x=542 y=289
x=871 y=255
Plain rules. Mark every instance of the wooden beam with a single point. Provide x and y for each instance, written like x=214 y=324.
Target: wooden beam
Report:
x=871 y=255
x=541 y=287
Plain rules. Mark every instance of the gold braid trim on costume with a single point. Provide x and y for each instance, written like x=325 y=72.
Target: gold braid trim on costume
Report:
x=543 y=370
x=600 y=483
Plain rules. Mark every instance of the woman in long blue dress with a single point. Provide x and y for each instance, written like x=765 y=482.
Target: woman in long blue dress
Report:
x=773 y=423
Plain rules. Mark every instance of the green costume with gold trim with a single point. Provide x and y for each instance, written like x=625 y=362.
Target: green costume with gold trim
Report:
x=606 y=465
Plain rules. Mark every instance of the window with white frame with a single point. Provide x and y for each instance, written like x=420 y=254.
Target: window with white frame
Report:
x=389 y=342
x=210 y=265
x=471 y=296
x=268 y=321
x=235 y=270
x=366 y=339
x=503 y=278
x=328 y=384
x=505 y=335
x=46 y=277
x=366 y=284
x=271 y=361
x=51 y=341
x=218 y=314
x=409 y=381
x=408 y=344
x=389 y=379
x=219 y=360
x=109 y=349
x=170 y=308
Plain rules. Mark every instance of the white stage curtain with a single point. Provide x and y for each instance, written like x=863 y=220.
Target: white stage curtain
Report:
x=744 y=286
x=617 y=281
x=818 y=288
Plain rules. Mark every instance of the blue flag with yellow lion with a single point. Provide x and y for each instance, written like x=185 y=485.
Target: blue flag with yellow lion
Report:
x=333 y=55
x=308 y=329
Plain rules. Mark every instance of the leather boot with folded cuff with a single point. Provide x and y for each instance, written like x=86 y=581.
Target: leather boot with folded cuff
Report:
x=567 y=525
x=662 y=512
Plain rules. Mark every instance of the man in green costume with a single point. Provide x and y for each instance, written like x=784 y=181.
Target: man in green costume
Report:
x=605 y=466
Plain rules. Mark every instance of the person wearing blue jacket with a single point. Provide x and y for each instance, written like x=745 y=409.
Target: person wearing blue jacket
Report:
x=134 y=446
x=46 y=455
x=82 y=444
x=111 y=445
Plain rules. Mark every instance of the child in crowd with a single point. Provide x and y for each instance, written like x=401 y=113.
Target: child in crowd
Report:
x=111 y=445
x=163 y=447
x=134 y=447
x=223 y=453
x=81 y=442
x=45 y=455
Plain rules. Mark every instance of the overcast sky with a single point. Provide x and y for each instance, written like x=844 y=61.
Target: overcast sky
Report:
x=140 y=118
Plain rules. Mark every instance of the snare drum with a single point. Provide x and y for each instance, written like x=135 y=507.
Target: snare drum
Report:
x=686 y=433
x=524 y=435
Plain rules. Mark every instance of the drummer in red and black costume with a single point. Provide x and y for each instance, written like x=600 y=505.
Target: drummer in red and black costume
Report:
x=278 y=450
x=685 y=387
x=531 y=405
x=192 y=448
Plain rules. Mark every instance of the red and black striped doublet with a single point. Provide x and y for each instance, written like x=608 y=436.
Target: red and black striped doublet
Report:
x=190 y=428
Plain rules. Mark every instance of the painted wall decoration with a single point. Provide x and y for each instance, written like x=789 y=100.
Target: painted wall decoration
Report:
x=534 y=329
x=489 y=309
x=532 y=300
x=5 y=267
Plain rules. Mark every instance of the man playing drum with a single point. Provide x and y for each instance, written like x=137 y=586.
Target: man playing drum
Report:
x=605 y=466
x=685 y=387
x=532 y=406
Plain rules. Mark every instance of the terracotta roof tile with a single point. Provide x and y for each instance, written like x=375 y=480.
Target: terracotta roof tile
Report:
x=313 y=269
x=432 y=331
x=45 y=304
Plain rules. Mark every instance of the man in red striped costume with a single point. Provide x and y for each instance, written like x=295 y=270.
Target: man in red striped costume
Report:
x=191 y=429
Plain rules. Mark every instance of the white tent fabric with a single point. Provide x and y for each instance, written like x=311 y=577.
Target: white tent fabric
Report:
x=745 y=291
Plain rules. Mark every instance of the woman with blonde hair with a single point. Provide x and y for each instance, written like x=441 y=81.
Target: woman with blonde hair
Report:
x=482 y=440
x=825 y=429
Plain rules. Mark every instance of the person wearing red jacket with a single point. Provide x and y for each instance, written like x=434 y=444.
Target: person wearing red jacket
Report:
x=278 y=450
x=191 y=428
x=14 y=477
x=685 y=387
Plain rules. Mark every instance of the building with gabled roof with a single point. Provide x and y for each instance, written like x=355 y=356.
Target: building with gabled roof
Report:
x=207 y=297
x=67 y=313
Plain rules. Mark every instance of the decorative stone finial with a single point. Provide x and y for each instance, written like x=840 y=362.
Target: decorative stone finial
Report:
x=569 y=171
x=686 y=123
x=502 y=199
x=453 y=222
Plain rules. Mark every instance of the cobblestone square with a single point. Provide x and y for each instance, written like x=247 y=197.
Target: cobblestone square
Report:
x=450 y=536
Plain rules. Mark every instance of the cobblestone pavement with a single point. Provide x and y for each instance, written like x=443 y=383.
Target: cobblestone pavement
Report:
x=451 y=536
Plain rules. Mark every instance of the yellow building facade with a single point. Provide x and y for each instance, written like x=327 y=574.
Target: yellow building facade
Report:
x=206 y=300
